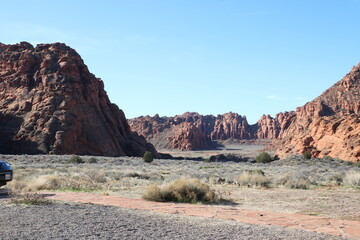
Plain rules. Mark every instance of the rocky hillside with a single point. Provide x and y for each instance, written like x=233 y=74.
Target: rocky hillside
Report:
x=328 y=125
x=51 y=103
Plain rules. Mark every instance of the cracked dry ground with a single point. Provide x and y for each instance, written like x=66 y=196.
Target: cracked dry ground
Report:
x=331 y=226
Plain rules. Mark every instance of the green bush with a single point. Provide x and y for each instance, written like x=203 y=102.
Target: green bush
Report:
x=307 y=154
x=228 y=157
x=91 y=160
x=182 y=190
x=75 y=159
x=148 y=157
x=263 y=157
x=327 y=158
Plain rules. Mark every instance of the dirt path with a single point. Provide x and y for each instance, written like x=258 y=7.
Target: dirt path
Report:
x=337 y=227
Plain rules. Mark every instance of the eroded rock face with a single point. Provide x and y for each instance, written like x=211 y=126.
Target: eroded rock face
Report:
x=328 y=125
x=183 y=132
x=231 y=125
x=191 y=131
x=51 y=103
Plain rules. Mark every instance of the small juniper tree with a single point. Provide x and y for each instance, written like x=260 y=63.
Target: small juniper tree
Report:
x=148 y=157
x=263 y=157
x=307 y=154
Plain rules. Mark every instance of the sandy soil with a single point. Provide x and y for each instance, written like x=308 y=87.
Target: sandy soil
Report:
x=87 y=221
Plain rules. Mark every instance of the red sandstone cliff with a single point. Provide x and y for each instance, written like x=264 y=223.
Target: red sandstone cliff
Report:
x=191 y=131
x=51 y=103
x=328 y=125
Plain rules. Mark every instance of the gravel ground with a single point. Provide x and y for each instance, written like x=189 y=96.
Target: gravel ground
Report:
x=88 y=221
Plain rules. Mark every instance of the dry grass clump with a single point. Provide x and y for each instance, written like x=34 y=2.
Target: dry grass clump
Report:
x=86 y=180
x=43 y=182
x=28 y=198
x=252 y=178
x=352 y=179
x=80 y=178
x=182 y=190
x=293 y=181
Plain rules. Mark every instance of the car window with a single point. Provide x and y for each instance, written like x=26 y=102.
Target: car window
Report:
x=3 y=164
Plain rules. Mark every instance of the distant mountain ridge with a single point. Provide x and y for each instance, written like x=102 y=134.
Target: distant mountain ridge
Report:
x=191 y=131
x=328 y=125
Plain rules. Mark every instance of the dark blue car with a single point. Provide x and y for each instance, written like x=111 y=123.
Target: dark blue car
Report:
x=6 y=173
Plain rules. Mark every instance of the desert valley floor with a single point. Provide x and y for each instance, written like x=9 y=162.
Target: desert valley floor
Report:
x=311 y=187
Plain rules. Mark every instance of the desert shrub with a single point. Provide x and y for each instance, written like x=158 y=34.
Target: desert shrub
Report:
x=307 y=154
x=28 y=199
x=352 y=179
x=256 y=172
x=45 y=182
x=252 y=178
x=327 y=158
x=263 y=157
x=294 y=181
x=137 y=175
x=227 y=158
x=349 y=163
x=298 y=184
x=182 y=190
x=148 y=157
x=91 y=160
x=75 y=159
x=337 y=179
x=220 y=157
x=95 y=176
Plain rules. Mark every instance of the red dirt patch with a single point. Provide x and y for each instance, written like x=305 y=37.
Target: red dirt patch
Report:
x=337 y=227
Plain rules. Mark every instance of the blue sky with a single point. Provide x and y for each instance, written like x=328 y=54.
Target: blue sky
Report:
x=212 y=57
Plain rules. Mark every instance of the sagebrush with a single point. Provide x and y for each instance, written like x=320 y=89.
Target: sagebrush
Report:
x=182 y=190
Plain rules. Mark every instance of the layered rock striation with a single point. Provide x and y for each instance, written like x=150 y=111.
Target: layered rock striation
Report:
x=51 y=103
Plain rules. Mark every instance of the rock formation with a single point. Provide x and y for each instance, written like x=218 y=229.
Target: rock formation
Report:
x=191 y=131
x=328 y=125
x=51 y=103
x=183 y=132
